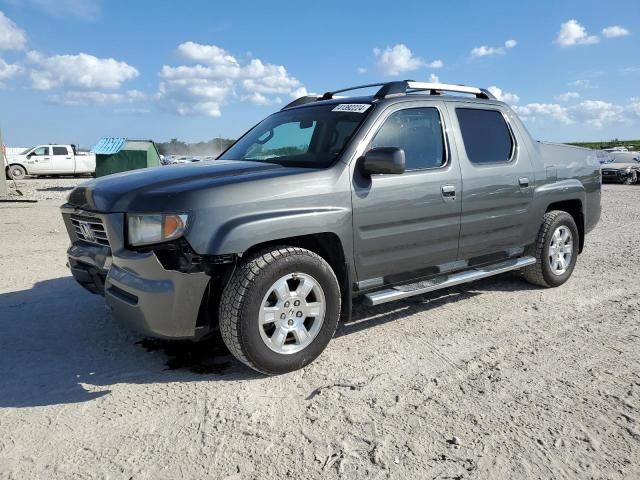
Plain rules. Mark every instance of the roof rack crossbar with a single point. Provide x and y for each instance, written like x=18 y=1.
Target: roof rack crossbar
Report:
x=436 y=88
x=329 y=95
x=402 y=87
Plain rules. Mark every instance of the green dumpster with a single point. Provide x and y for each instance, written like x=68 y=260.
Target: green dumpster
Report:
x=118 y=154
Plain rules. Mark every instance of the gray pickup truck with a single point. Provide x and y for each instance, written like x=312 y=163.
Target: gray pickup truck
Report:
x=332 y=200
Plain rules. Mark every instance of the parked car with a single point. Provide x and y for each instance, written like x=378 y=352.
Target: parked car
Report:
x=50 y=160
x=329 y=201
x=604 y=156
x=616 y=149
x=623 y=168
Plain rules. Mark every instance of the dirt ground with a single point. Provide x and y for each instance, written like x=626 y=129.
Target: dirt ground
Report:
x=496 y=379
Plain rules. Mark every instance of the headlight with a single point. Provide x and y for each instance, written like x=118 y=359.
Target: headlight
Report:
x=628 y=170
x=155 y=228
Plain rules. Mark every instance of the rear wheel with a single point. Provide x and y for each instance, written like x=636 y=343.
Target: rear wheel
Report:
x=280 y=309
x=16 y=172
x=556 y=250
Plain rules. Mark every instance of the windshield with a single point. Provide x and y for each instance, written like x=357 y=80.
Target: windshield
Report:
x=26 y=151
x=311 y=137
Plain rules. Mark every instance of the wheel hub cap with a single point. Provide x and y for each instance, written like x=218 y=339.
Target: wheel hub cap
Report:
x=292 y=313
x=560 y=250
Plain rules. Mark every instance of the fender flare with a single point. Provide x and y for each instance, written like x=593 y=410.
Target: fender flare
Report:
x=241 y=233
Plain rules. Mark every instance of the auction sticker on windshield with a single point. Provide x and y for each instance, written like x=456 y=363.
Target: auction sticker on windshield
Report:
x=352 y=107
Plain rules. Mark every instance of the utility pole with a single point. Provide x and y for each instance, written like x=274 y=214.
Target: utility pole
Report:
x=3 y=162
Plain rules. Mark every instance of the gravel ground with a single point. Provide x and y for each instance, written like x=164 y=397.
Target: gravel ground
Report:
x=496 y=379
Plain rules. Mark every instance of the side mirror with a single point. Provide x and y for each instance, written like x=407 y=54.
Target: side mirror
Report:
x=383 y=160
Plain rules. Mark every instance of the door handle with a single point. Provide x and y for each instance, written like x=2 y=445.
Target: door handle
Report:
x=449 y=191
x=46 y=158
x=67 y=158
x=524 y=182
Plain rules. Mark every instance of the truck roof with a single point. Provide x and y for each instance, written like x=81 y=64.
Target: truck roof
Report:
x=398 y=91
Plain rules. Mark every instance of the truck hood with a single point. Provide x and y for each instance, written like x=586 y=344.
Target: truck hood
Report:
x=161 y=188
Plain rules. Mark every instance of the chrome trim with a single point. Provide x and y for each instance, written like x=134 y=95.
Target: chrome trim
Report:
x=445 y=87
x=406 y=291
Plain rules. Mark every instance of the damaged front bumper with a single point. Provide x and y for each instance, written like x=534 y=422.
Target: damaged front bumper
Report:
x=138 y=290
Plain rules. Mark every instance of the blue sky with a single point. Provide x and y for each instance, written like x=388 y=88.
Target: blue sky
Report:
x=77 y=70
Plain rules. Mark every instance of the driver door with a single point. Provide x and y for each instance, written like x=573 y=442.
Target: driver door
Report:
x=40 y=160
x=407 y=226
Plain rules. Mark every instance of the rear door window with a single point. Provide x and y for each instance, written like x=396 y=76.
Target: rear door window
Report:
x=486 y=136
x=60 y=151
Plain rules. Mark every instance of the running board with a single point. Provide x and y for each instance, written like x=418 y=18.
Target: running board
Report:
x=404 y=291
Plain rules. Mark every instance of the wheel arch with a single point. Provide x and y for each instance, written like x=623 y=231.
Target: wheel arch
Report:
x=574 y=208
x=13 y=164
x=325 y=244
x=328 y=246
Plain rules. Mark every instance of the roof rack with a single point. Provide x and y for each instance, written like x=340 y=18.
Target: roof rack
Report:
x=402 y=87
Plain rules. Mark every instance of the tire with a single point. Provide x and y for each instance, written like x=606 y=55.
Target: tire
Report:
x=260 y=321
x=542 y=273
x=16 y=172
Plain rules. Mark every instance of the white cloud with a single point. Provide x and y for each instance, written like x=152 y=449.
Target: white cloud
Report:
x=615 y=31
x=567 y=96
x=573 y=33
x=595 y=113
x=399 y=58
x=268 y=78
x=503 y=96
x=8 y=70
x=217 y=76
x=361 y=70
x=220 y=61
x=532 y=111
x=96 y=97
x=12 y=37
x=82 y=72
x=433 y=78
x=200 y=96
x=485 y=51
x=581 y=83
x=258 y=99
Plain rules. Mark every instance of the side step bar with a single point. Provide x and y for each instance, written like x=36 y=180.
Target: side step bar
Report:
x=418 y=288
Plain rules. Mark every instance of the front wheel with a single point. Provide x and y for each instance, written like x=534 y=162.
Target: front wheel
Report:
x=17 y=172
x=280 y=309
x=556 y=250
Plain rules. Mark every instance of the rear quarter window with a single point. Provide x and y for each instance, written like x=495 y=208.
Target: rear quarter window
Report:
x=486 y=136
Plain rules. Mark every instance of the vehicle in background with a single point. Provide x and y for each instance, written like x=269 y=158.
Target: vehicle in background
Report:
x=179 y=160
x=616 y=149
x=328 y=201
x=51 y=159
x=623 y=168
x=604 y=156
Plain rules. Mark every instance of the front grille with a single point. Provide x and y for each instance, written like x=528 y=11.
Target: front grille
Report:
x=610 y=172
x=90 y=229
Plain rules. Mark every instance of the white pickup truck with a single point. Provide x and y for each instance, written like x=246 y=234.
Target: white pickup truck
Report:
x=50 y=160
